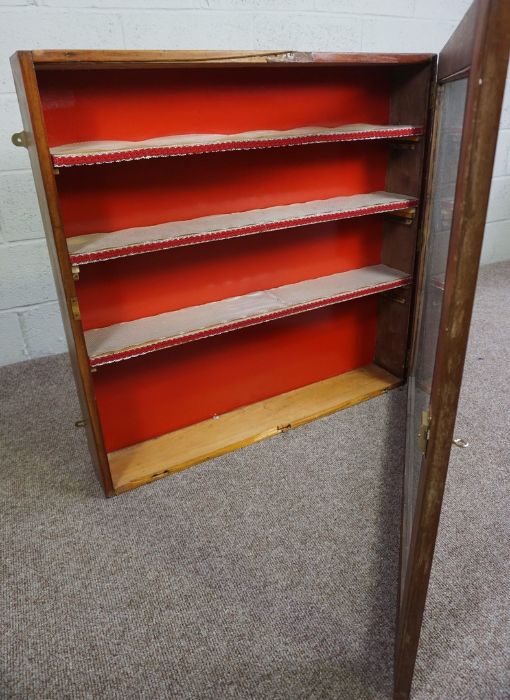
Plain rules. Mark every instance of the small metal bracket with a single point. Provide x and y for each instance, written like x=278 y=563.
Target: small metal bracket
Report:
x=403 y=216
x=75 y=269
x=424 y=433
x=460 y=442
x=20 y=139
x=75 y=308
x=80 y=423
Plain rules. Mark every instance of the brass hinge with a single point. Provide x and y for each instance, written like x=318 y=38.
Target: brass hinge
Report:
x=75 y=308
x=424 y=433
x=75 y=271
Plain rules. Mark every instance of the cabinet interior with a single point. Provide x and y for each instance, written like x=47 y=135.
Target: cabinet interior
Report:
x=243 y=243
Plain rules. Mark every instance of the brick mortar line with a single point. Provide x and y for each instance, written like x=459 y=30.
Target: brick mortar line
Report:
x=27 y=307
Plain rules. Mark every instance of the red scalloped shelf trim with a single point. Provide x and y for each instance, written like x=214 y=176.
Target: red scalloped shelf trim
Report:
x=252 y=321
x=150 y=247
x=68 y=160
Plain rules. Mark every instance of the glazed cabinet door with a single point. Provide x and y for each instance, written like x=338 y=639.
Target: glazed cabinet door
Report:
x=470 y=83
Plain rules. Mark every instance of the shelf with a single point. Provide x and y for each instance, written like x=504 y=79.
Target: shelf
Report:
x=100 y=152
x=98 y=247
x=134 y=338
x=153 y=459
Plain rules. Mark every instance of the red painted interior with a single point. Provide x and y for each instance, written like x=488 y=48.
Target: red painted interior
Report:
x=102 y=198
x=85 y=105
x=110 y=292
x=155 y=394
x=166 y=390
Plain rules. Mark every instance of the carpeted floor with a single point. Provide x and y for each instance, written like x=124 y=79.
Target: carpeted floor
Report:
x=269 y=573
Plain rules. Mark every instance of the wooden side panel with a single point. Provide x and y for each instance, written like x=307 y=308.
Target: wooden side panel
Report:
x=33 y=123
x=411 y=100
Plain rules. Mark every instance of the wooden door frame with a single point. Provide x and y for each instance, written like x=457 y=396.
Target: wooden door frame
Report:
x=478 y=50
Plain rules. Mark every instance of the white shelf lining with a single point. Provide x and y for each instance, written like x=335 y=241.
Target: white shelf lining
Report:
x=95 y=244
x=108 y=342
x=197 y=140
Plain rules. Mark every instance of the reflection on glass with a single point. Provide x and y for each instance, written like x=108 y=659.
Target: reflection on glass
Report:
x=452 y=100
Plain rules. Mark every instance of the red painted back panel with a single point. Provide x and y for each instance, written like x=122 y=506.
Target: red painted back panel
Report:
x=99 y=198
x=110 y=292
x=81 y=105
x=151 y=395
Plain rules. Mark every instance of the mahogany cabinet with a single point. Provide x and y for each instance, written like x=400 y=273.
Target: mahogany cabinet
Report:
x=243 y=242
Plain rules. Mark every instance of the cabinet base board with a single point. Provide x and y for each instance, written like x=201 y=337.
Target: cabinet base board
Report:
x=153 y=459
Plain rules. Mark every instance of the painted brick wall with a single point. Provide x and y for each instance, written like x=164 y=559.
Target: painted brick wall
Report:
x=29 y=318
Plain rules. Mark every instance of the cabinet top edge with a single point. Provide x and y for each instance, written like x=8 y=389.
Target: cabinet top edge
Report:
x=98 y=58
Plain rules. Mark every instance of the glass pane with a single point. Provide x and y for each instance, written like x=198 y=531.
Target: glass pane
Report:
x=451 y=103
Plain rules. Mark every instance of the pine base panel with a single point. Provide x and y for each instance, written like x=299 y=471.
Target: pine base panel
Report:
x=153 y=459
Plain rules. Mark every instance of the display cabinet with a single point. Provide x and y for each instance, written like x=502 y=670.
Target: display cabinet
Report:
x=243 y=242
x=236 y=238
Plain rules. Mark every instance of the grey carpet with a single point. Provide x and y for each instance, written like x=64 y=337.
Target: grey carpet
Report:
x=269 y=573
